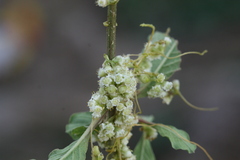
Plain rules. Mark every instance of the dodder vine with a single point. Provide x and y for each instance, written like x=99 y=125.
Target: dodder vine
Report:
x=114 y=108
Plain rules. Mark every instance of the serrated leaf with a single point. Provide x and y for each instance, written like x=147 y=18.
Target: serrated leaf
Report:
x=75 y=151
x=143 y=150
x=163 y=65
x=179 y=139
x=78 y=123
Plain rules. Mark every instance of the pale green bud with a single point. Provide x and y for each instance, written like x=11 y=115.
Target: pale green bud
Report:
x=144 y=78
x=167 y=99
x=150 y=132
x=122 y=89
x=160 y=78
x=111 y=89
x=105 y=81
x=176 y=84
x=96 y=154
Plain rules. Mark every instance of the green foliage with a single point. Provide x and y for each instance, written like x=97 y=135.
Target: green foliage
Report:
x=78 y=123
x=143 y=150
x=75 y=151
x=178 y=138
x=163 y=65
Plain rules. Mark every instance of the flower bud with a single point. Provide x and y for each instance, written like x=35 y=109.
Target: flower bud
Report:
x=144 y=78
x=160 y=78
x=105 y=3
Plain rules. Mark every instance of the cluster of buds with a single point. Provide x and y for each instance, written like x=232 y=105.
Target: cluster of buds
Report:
x=117 y=86
x=118 y=80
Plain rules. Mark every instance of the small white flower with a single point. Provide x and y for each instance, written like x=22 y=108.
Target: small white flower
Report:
x=167 y=86
x=103 y=99
x=102 y=3
x=167 y=40
x=105 y=81
x=129 y=103
x=167 y=99
x=108 y=69
x=120 y=133
x=106 y=131
x=124 y=141
x=109 y=105
x=120 y=107
x=115 y=101
x=97 y=110
x=101 y=73
x=155 y=91
x=118 y=78
x=92 y=103
x=96 y=96
x=176 y=84
x=127 y=111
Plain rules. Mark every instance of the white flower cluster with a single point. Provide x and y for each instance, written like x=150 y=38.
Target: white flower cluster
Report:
x=117 y=86
x=161 y=89
x=152 y=51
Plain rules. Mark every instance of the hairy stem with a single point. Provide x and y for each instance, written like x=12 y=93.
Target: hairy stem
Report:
x=111 y=30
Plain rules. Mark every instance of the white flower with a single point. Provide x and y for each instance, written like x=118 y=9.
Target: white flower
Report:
x=129 y=103
x=108 y=69
x=167 y=86
x=103 y=99
x=155 y=91
x=167 y=40
x=118 y=78
x=109 y=105
x=120 y=133
x=176 y=84
x=120 y=107
x=101 y=72
x=95 y=96
x=106 y=131
x=115 y=101
x=167 y=99
x=92 y=103
x=105 y=81
x=97 y=110
x=102 y=3
x=127 y=111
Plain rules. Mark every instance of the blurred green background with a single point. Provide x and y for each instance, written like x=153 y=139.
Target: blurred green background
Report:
x=50 y=51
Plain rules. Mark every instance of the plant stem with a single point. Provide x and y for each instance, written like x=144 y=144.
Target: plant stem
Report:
x=111 y=30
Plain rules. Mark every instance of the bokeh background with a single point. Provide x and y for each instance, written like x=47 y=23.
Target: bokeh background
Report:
x=50 y=51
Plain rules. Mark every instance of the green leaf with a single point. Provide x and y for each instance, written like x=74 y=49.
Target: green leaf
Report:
x=78 y=123
x=143 y=150
x=75 y=151
x=163 y=65
x=178 y=138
